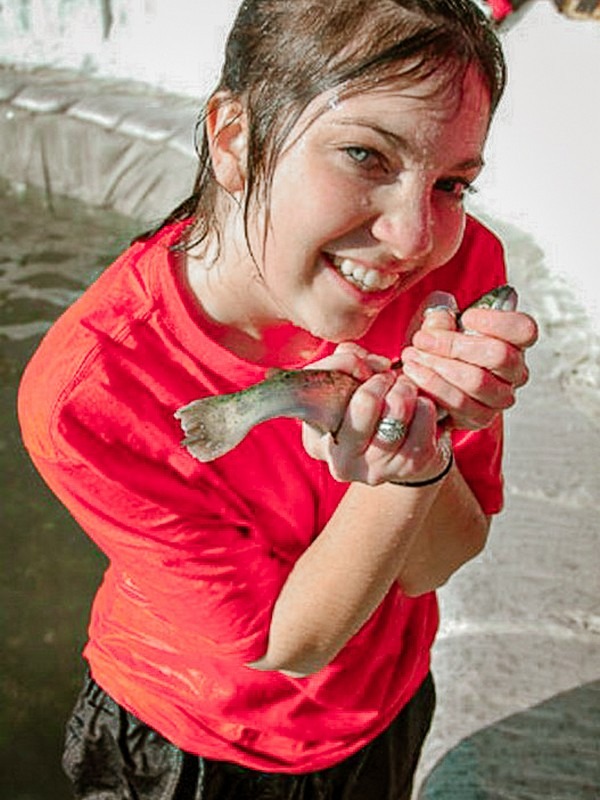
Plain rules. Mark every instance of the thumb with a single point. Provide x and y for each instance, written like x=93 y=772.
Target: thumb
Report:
x=439 y=310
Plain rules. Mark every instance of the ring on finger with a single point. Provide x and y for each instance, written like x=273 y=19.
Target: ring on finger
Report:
x=390 y=430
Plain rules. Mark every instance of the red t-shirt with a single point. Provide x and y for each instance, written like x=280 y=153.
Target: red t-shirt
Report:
x=199 y=552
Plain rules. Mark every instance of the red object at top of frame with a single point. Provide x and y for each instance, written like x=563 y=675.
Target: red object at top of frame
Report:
x=500 y=8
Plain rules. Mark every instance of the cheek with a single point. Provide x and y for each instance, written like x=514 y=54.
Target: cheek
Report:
x=450 y=229
x=310 y=195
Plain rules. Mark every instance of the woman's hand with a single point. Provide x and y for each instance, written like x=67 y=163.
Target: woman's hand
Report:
x=358 y=452
x=473 y=373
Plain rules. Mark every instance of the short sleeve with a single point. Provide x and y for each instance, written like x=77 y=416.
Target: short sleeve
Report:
x=478 y=455
x=181 y=550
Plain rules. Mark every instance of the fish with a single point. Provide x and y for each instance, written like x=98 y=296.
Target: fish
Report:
x=215 y=425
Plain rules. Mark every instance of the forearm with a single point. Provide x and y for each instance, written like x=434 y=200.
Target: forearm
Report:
x=344 y=575
x=454 y=531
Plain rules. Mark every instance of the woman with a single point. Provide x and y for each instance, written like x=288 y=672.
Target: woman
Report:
x=264 y=627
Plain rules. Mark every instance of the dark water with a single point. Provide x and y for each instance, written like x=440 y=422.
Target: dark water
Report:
x=49 y=568
x=548 y=751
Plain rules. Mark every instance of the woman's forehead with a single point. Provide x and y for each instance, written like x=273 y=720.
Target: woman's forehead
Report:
x=442 y=96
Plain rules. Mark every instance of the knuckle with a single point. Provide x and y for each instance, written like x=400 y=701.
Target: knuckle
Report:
x=531 y=331
x=476 y=381
x=363 y=404
x=523 y=377
x=478 y=421
x=463 y=406
x=373 y=479
x=353 y=360
x=498 y=354
x=340 y=470
x=350 y=347
x=427 y=407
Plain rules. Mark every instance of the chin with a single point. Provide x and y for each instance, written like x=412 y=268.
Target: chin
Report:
x=345 y=331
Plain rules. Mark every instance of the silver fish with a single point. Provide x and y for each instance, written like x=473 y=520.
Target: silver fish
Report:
x=215 y=425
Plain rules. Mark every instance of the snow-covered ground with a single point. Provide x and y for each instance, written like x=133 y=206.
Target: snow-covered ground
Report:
x=543 y=155
x=540 y=189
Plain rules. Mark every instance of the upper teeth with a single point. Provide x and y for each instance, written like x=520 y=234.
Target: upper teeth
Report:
x=370 y=280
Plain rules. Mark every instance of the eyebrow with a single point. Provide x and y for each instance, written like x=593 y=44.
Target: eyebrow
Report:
x=404 y=144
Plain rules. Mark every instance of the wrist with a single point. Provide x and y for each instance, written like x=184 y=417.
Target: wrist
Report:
x=446 y=456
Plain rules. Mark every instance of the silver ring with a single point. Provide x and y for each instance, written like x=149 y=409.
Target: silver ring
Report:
x=390 y=430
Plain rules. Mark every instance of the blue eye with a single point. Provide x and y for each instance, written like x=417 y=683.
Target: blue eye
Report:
x=363 y=156
x=359 y=154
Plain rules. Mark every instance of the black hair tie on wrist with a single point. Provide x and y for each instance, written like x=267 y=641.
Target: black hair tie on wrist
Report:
x=429 y=481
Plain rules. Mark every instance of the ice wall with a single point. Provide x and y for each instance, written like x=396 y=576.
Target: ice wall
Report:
x=173 y=44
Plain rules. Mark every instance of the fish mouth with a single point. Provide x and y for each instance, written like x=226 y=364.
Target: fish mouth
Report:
x=367 y=279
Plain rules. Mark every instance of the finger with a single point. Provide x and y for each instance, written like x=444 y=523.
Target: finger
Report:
x=378 y=362
x=354 y=360
x=344 y=455
x=380 y=462
x=398 y=407
x=500 y=357
x=441 y=311
x=438 y=309
x=418 y=455
x=473 y=407
x=362 y=415
x=473 y=380
x=515 y=327
x=439 y=318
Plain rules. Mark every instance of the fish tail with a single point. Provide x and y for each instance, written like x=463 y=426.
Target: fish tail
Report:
x=212 y=427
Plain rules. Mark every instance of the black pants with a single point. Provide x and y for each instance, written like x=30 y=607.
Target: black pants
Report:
x=111 y=755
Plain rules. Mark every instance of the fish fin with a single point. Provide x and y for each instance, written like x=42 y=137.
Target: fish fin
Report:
x=209 y=432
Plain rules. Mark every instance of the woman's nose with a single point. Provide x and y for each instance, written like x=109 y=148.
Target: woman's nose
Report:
x=405 y=222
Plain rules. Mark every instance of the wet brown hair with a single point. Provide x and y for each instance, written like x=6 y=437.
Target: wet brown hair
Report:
x=282 y=54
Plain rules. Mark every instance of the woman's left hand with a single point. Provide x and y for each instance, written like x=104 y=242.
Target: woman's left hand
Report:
x=473 y=373
x=357 y=452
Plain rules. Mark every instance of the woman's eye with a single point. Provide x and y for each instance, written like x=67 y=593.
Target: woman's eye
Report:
x=364 y=157
x=457 y=187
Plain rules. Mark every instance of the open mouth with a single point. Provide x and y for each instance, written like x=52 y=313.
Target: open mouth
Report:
x=366 y=279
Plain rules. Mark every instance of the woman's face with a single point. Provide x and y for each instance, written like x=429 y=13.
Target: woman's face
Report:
x=366 y=199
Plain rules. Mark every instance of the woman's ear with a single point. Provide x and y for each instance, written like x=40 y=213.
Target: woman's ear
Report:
x=227 y=132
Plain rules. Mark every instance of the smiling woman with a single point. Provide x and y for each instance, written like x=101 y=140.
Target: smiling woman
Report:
x=228 y=639
x=365 y=200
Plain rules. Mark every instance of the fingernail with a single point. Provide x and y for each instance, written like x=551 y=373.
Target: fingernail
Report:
x=377 y=362
x=441 y=301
